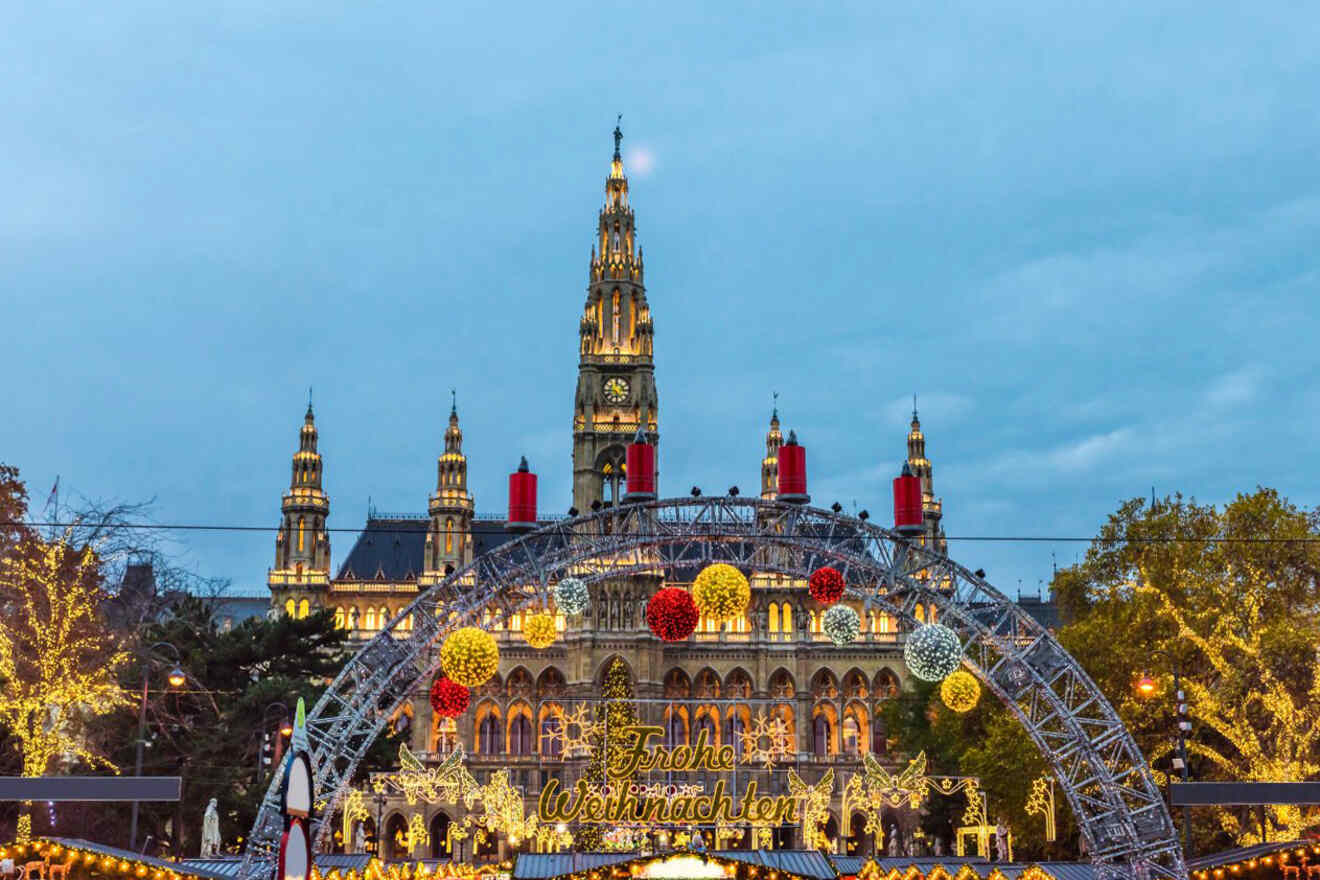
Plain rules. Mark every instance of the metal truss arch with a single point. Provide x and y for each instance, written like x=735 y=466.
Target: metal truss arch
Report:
x=1119 y=809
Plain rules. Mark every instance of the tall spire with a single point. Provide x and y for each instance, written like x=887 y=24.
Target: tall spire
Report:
x=450 y=507
x=920 y=466
x=770 y=464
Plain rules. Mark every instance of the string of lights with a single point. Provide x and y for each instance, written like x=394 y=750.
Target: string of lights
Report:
x=390 y=530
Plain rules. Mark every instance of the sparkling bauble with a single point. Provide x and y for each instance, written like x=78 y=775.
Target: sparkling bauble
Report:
x=539 y=630
x=449 y=699
x=572 y=596
x=826 y=585
x=721 y=592
x=671 y=614
x=932 y=651
x=960 y=691
x=841 y=623
x=470 y=656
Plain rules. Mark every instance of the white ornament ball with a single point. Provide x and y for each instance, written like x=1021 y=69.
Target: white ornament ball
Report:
x=572 y=596
x=932 y=652
x=842 y=624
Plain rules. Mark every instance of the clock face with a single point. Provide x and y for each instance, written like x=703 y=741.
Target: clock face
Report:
x=616 y=389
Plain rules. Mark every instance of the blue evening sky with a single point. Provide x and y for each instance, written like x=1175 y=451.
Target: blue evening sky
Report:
x=1084 y=233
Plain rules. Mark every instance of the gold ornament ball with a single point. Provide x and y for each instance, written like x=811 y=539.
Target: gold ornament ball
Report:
x=470 y=656
x=960 y=691
x=539 y=630
x=721 y=592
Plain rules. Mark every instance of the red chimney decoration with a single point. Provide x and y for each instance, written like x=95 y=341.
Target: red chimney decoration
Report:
x=908 y=518
x=640 y=470
x=522 y=499
x=793 y=471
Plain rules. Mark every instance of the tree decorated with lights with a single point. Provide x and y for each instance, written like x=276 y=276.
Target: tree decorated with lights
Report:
x=615 y=715
x=1229 y=595
x=57 y=659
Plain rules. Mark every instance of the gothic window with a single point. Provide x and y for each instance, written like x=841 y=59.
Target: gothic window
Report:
x=616 y=301
x=369 y=622
x=290 y=608
x=921 y=614
x=704 y=723
x=850 y=735
x=303 y=608
x=675 y=735
x=787 y=619
x=879 y=737
x=734 y=728
x=489 y=741
x=449 y=535
x=520 y=736
x=820 y=727
x=551 y=742
x=774 y=617
x=301 y=525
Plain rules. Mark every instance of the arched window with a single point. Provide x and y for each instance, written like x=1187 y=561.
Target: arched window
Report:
x=449 y=535
x=920 y=613
x=879 y=737
x=290 y=608
x=850 y=744
x=675 y=735
x=490 y=740
x=369 y=622
x=552 y=743
x=304 y=607
x=734 y=728
x=520 y=736
x=820 y=728
x=339 y=617
x=704 y=723
x=774 y=618
x=787 y=619
x=302 y=523
x=384 y=617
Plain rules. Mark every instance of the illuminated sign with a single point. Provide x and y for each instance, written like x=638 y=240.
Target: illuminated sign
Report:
x=589 y=804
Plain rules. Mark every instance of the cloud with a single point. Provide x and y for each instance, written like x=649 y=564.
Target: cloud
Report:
x=639 y=161
x=1238 y=387
x=942 y=407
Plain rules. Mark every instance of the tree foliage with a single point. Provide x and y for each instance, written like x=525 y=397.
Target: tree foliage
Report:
x=616 y=713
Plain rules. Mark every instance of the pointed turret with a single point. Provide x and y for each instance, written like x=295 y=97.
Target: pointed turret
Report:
x=302 y=544
x=451 y=509
x=920 y=466
x=770 y=464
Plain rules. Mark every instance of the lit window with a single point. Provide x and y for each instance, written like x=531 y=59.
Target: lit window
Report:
x=303 y=608
x=774 y=618
x=290 y=608
x=788 y=618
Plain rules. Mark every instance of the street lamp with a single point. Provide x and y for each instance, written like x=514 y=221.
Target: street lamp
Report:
x=1146 y=687
x=284 y=731
x=176 y=679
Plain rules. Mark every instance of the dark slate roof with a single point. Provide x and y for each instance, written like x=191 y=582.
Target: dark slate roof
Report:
x=227 y=866
x=800 y=862
x=127 y=855
x=538 y=866
x=392 y=548
x=1241 y=854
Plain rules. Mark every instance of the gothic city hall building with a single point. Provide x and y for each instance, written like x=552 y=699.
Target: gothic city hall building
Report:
x=775 y=660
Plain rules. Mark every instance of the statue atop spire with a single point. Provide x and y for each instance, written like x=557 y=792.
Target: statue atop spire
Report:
x=618 y=137
x=453 y=403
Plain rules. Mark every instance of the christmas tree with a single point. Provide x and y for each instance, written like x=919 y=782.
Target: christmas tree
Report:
x=617 y=714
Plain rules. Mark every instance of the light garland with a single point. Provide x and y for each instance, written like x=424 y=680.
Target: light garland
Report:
x=721 y=592
x=842 y=624
x=470 y=656
x=572 y=596
x=932 y=652
x=539 y=630
x=960 y=691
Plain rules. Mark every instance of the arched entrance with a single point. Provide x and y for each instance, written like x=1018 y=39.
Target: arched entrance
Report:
x=439 y=832
x=395 y=846
x=1119 y=810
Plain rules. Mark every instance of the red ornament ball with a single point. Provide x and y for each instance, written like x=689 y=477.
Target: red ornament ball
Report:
x=672 y=615
x=449 y=699
x=826 y=585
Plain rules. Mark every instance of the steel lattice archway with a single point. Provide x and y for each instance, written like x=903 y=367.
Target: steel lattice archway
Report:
x=1120 y=812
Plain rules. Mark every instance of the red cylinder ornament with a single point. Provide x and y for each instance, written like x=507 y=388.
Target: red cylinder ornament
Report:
x=826 y=585
x=522 y=499
x=640 y=470
x=449 y=699
x=908 y=515
x=672 y=615
x=793 y=471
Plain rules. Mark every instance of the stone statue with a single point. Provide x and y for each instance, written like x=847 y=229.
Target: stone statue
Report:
x=893 y=841
x=211 y=830
x=939 y=847
x=1001 y=842
x=360 y=839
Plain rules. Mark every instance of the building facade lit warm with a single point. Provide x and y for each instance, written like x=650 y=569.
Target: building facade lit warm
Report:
x=776 y=658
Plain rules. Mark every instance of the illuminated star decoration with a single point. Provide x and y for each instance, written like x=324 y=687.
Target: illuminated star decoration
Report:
x=766 y=741
x=575 y=731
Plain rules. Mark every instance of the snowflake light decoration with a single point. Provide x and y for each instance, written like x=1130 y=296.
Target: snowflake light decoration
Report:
x=572 y=596
x=765 y=741
x=842 y=624
x=576 y=729
x=932 y=652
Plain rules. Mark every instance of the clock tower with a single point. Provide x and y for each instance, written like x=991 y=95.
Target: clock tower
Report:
x=616 y=372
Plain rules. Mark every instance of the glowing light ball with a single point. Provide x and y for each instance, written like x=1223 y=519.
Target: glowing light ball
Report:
x=470 y=656
x=721 y=592
x=539 y=630
x=842 y=624
x=449 y=699
x=671 y=614
x=826 y=585
x=572 y=596
x=960 y=691
x=932 y=652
